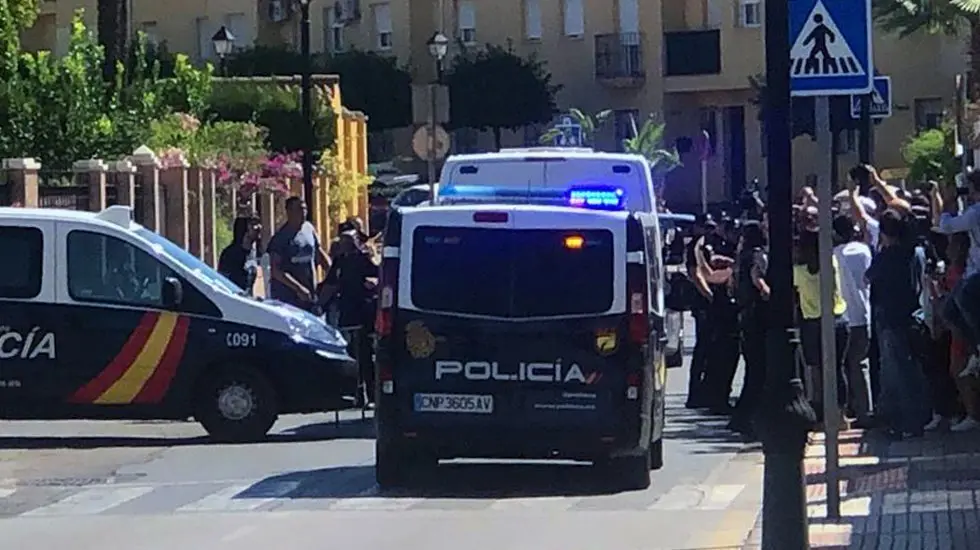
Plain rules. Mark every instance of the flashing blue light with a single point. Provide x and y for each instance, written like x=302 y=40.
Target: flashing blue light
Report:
x=596 y=197
x=599 y=198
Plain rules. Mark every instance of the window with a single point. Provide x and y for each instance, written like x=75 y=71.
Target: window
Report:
x=23 y=249
x=574 y=18
x=382 y=25
x=532 y=19
x=107 y=269
x=240 y=28
x=497 y=272
x=205 y=46
x=928 y=113
x=467 y=22
x=624 y=120
x=149 y=28
x=333 y=32
x=750 y=13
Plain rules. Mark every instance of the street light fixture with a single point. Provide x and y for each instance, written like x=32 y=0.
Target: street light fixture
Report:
x=306 y=100
x=438 y=48
x=224 y=43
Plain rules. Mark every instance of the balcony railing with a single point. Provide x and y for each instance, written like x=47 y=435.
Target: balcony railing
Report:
x=689 y=53
x=619 y=56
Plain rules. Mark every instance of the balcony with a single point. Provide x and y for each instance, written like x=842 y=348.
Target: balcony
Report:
x=619 y=59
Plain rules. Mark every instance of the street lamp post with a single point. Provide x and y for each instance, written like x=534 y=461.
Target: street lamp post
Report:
x=785 y=416
x=223 y=42
x=438 y=47
x=306 y=91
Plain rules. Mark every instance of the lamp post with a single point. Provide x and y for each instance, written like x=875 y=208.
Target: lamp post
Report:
x=438 y=47
x=785 y=415
x=223 y=42
x=306 y=92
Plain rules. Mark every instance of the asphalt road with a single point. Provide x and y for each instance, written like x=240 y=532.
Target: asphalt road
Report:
x=159 y=485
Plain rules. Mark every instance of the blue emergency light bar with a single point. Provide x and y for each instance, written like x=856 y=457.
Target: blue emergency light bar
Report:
x=591 y=197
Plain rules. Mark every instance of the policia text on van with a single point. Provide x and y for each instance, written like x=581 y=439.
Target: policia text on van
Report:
x=516 y=330
x=102 y=318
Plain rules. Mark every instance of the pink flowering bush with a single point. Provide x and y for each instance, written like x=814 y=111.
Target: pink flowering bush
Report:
x=263 y=173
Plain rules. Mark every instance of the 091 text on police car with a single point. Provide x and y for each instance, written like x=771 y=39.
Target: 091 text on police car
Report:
x=453 y=403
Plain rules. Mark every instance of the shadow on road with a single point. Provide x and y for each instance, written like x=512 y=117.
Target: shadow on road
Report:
x=478 y=481
x=321 y=431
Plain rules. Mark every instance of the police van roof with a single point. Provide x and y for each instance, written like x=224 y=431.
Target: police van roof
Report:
x=116 y=215
x=534 y=153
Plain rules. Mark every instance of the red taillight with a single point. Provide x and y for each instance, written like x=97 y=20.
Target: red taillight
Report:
x=639 y=303
x=491 y=217
x=387 y=296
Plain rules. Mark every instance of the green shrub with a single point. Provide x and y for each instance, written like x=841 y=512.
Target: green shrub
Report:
x=929 y=156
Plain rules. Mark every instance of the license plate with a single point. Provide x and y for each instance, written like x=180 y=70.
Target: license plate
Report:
x=453 y=403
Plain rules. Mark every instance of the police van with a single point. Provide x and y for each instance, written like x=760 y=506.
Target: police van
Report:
x=522 y=316
x=101 y=318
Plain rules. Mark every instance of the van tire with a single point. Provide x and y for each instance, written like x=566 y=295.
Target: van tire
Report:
x=657 y=454
x=243 y=387
x=628 y=473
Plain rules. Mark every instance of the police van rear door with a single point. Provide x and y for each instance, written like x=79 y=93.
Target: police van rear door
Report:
x=512 y=313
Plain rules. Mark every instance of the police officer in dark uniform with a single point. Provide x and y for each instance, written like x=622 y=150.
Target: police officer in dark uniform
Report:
x=722 y=312
x=704 y=224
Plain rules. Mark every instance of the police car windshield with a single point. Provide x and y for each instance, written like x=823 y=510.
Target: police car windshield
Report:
x=191 y=262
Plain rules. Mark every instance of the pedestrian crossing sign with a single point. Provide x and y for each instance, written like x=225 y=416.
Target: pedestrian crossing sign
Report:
x=831 y=52
x=881 y=100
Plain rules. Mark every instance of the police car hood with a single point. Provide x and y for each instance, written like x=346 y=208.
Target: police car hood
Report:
x=283 y=318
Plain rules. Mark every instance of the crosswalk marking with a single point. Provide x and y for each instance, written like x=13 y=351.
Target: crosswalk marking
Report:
x=534 y=503
x=374 y=504
x=241 y=498
x=90 y=501
x=698 y=497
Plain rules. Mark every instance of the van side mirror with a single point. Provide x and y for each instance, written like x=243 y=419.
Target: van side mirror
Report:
x=173 y=292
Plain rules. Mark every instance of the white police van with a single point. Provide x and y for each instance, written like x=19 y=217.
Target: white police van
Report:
x=522 y=316
x=101 y=318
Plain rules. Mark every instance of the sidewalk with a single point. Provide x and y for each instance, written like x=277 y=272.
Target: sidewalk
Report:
x=917 y=494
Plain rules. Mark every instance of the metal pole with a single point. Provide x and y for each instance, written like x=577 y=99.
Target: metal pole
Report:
x=960 y=116
x=867 y=131
x=784 y=416
x=704 y=185
x=831 y=412
x=306 y=91
x=432 y=141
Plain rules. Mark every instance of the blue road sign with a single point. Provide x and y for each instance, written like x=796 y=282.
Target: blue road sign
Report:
x=831 y=50
x=881 y=99
x=570 y=132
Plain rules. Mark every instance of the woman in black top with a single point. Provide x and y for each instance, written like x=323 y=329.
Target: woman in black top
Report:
x=238 y=261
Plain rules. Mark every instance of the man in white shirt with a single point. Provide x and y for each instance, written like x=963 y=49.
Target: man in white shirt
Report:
x=854 y=259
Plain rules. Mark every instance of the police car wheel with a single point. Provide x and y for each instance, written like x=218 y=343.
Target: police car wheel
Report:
x=237 y=405
x=630 y=473
x=657 y=454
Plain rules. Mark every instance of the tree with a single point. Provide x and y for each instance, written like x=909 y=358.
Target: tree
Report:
x=930 y=156
x=948 y=17
x=647 y=141
x=493 y=89
x=375 y=85
x=589 y=124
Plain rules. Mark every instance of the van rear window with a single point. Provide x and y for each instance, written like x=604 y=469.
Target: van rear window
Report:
x=512 y=273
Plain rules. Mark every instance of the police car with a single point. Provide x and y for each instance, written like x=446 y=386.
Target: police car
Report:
x=521 y=316
x=101 y=318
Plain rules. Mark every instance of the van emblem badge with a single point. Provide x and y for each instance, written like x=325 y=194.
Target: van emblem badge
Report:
x=419 y=339
x=606 y=341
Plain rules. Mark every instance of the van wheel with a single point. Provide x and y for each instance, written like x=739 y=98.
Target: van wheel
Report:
x=395 y=466
x=237 y=405
x=629 y=473
x=657 y=454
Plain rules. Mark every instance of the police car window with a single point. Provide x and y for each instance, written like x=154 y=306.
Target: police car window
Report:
x=23 y=254
x=106 y=269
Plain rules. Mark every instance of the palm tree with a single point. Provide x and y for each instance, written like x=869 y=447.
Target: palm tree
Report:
x=948 y=17
x=647 y=141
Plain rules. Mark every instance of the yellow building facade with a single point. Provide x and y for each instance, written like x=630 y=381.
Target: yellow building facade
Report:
x=685 y=61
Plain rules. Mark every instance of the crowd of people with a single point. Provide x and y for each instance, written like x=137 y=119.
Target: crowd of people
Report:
x=905 y=304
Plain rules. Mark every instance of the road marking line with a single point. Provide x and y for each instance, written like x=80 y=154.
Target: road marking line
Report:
x=721 y=497
x=6 y=492
x=550 y=504
x=681 y=497
x=239 y=533
x=90 y=501
x=241 y=498
x=374 y=504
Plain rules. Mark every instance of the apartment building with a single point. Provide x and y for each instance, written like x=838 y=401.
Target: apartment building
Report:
x=686 y=61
